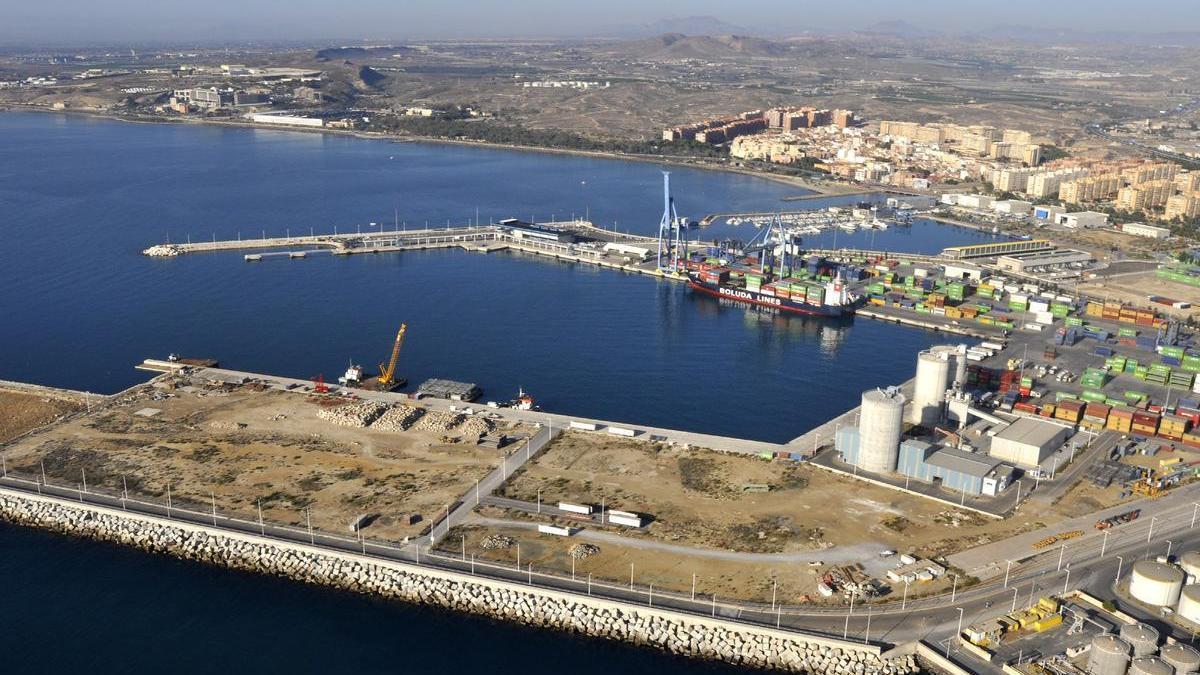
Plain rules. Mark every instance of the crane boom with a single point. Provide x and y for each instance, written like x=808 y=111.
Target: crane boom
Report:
x=387 y=373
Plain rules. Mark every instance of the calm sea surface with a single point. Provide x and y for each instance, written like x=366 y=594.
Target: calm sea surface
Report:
x=80 y=198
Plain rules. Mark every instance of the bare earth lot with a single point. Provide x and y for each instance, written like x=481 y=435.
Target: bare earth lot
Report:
x=697 y=498
x=243 y=447
x=21 y=412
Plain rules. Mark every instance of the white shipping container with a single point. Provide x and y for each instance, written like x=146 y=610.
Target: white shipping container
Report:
x=1044 y=318
x=1039 y=306
x=1196 y=386
x=618 y=431
x=994 y=346
x=1018 y=297
x=907 y=559
x=920 y=272
x=1012 y=288
x=1034 y=326
x=551 y=529
x=585 y=426
x=575 y=508
x=631 y=520
x=971 y=356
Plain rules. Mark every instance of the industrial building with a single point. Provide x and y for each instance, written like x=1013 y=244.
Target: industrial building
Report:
x=522 y=229
x=938 y=369
x=1082 y=219
x=997 y=249
x=967 y=472
x=1026 y=263
x=874 y=445
x=1144 y=230
x=1027 y=442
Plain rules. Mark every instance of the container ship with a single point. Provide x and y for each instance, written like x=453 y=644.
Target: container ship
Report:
x=830 y=298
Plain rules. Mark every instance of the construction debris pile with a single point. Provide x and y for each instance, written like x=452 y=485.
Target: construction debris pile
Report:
x=398 y=418
x=358 y=415
x=495 y=542
x=436 y=420
x=849 y=581
x=582 y=551
x=162 y=251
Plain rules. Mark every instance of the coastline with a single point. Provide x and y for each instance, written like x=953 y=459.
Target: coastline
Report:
x=664 y=160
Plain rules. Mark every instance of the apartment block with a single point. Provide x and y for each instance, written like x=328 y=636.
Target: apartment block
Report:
x=1154 y=171
x=1090 y=188
x=1011 y=180
x=1183 y=206
x=1147 y=195
x=1046 y=183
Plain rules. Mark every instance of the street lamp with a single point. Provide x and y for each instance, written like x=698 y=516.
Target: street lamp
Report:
x=904 y=598
x=1120 y=561
x=954 y=587
x=1104 y=544
x=1067 y=580
x=1006 y=571
x=1014 y=603
x=1150 y=532
x=1168 y=549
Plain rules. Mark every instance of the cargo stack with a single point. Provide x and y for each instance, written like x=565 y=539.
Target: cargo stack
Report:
x=1173 y=427
x=1094 y=378
x=1095 y=416
x=1120 y=419
x=1069 y=411
x=1145 y=423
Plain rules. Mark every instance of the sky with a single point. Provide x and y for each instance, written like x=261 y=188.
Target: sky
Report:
x=174 y=21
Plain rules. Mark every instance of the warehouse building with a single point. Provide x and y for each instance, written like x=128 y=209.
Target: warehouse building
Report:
x=1043 y=262
x=1027 y=442
x=972 y=473
x=524 y=230
x=1144 y=230
x=1082 y=219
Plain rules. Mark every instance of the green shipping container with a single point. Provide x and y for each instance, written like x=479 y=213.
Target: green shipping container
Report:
x=1092 y=396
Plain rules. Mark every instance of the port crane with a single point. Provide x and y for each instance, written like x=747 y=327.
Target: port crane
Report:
x=387 y=374
x=672 y=235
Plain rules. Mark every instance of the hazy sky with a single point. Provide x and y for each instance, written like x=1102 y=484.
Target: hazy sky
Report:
x=27 y=21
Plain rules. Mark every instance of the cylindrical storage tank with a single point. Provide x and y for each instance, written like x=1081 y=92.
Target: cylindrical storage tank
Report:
x=1150 y=665
x=1109 y=655
x=1142 y=638
x=1189 y=562
x=1156 y=583
x=960 y=365
x=1184 y=659
x=881 y=420
x=929 y=388
x=1189 y=603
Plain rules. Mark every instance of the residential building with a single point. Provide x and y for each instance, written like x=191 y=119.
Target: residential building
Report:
x=1148 y=195
x=1183 y=206
x=1090 y=188
x=1011 y=180
x=1150 y=171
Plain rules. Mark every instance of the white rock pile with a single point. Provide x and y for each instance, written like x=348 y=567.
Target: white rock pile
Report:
x=357 y=415
x=495 y=542
x=582 y=551
x=436 y=420
x=397 y=418
x=695 y=636
x=475 y=426
x=162 y=251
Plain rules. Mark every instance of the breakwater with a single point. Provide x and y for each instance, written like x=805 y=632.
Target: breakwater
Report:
x=670 y=631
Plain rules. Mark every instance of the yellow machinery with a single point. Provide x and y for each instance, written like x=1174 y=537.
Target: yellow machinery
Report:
x=387 y=374
x=1148 y=486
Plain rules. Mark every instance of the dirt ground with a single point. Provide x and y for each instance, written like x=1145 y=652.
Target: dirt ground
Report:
x=21 y=412
x=243 y=447
x=1133 y=289
x=696 y=498
x=793 y=582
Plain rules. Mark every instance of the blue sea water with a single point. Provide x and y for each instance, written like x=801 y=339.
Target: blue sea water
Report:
x=80 y=198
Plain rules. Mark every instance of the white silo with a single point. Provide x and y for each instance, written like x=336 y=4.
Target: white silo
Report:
x=881 y=421
x=929 y=388
x=1189 y=604
x=1150 y=665
x=1184 y=659
x=1189 y=562
x=1142 y=638
x=960 y=366
x=1109 y=655
x=1156 y=583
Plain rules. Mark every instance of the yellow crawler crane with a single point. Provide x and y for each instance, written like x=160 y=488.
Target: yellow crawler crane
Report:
x=387 y=374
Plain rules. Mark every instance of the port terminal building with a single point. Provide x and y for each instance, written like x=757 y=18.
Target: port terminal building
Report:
x=973 y=473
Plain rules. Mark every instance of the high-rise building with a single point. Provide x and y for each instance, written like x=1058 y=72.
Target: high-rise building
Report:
x=1011 y=180
x=1089 y=188
x=843 y=118
x=1149 y=171
x=1148 y=195
x=1017 y=137
x=1183 y=206
x=1188 y=182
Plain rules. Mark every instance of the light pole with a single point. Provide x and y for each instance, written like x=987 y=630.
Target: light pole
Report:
x=539 y=500
x=846 y=629
x=1067 y=581
x=1120 y=561
x=1014 y=604
x=1062 y=550
x=1104 y=544
x=1168 y=549
x=1150 y=532
x=1196 y=507
x=904 y=598
x=1006 y=571
x=954 y=587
